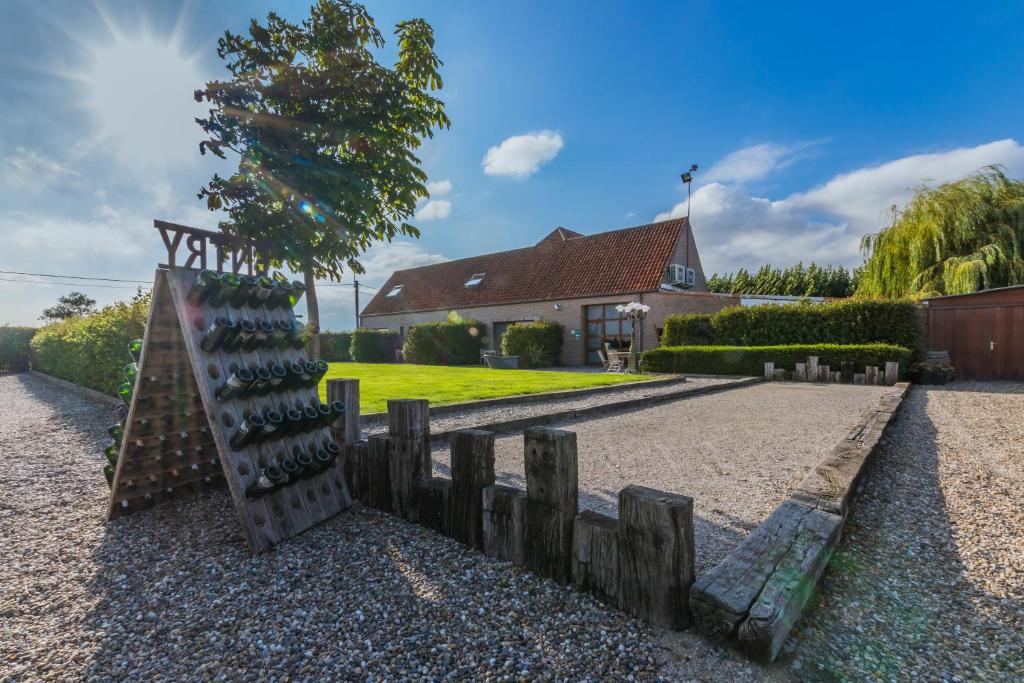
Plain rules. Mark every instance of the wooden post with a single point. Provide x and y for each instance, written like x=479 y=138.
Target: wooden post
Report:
x=812 y=368
x=552 y=500
x=595 y=557
x=346 y=430
x=472 y=471
x=858 y=378
x=433 y=498
x=409 y=428
x=800 y=372
x=769 y=370
x=378 y=472
x=779 y=375
x=871 y=374
x=823 y=373
x=503 y=508
x=356 y=460
x=837 y=376
x=847 y=371
x=892 y=372
x=655 y=556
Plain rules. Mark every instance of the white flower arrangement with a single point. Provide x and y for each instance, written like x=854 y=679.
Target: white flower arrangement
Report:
x=633 y=308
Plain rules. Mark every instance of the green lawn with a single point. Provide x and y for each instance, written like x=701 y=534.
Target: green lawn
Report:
x=443 y=384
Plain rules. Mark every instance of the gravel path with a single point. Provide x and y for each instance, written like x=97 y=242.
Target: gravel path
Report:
x=738 y=453
x=929 y=581
x=489 y=415
x=172 y=594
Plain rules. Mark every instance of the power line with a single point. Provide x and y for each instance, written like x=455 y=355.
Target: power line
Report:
x=73 y=277
x=67 y=284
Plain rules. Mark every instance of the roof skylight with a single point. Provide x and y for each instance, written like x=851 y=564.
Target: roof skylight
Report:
x=475 y=280
x=394 y=291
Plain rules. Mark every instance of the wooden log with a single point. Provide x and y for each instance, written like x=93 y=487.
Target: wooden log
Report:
x=377 y=493
x=655 y=556
x=800 y=372
x=824 y=372
x=776 y=567
x=812 y=368
x=472 y=471
x=595 y=557
x=847 y=371
x=871 y=375
x=552 y=501
x=354 y=462
x=503 y=509
x=409 y=462
x=858 y=378
x=769 y=370
x=892 y=372
x=432 y=504
x=346 y=430
x=836 y=377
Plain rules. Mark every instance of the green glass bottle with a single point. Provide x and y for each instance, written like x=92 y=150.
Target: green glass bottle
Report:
x=263 y=293
x=111 y=453
x=108 y=472
x=204 y=287
x=116 y=432
x=229 y=285
x=298 y=289
x=124 y=391
x=135 y=350
x=131 y=371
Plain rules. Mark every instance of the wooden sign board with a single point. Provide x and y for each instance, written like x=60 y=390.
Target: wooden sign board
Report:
x=177 y=434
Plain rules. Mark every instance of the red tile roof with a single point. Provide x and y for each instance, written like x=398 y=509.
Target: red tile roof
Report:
x=563 y=265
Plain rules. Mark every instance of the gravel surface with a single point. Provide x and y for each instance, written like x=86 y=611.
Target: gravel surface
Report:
x=928 y=583
x=738 y=453
x=489 y=415
x=172 y=594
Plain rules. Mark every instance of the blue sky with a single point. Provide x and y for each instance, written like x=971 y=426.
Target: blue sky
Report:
x=807 y=120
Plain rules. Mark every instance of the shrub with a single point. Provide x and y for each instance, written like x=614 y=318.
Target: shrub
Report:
x=452 y=342
x=750 y=360
x=538 y=344
x=687 y=330
x=15 y=349
x=91 y=351
x=854 y=321
x=373 y=346
x=335 y=346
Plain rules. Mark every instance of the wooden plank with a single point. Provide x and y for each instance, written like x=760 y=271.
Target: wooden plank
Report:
x=656 y=556
x=347 y=391
x=551 y=502
x=800 y=372
x=871 y=375
x=377 y=469
x=356 y=461
x=858 y=378
x=769 y=370
x=472 y=464
x=503 y=514
x=595 y=557
x=409 y=460
x=836 y=377
x=432 y=504
x=847 y=371
x=892 y=372
x=812 y=368
x=824 y=372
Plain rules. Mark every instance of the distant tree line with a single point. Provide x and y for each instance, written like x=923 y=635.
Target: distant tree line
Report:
x=798 y=280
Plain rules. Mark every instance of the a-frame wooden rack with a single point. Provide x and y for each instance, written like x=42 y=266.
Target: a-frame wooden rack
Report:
x=177 y=434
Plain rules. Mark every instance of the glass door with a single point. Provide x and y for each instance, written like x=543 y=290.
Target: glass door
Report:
x=606 y=329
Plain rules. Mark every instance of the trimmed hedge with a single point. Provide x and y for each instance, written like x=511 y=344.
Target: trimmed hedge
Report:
x=693 y=329
x=750 y=360
x=93 y=350
x=373 y=346
x=451 y=342
x=15 y=349
x=335 y=347
x=854 y=321
x=538 y=344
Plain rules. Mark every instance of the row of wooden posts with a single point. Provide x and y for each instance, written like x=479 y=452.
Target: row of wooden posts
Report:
x=811 y=371
x=641 y=563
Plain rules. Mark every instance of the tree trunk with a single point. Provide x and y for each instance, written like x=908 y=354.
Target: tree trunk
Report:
x=312 y=315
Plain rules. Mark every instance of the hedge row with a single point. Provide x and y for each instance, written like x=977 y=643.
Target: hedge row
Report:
x=449 y=342
x=91 y=351
x=373 y=346
x=854 y=321
x=750 y=360
x=15 y=348
x=335 y=347
x=538 y=344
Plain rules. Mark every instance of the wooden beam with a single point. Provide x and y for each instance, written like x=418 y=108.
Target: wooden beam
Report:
x=552 y=501
x=595 y=557
x=503 y=511
x=472 y=458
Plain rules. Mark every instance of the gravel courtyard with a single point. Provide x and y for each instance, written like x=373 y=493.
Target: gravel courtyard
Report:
x=738 y=453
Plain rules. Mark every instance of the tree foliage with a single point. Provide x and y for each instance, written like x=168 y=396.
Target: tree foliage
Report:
x=813 y=280
x=956 y=238
x=73 y=305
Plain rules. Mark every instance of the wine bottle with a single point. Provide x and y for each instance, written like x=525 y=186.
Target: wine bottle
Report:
x=267 y=481
x=204 y=287
x=131 y=371
x=263 y=292
x=323 y=414
x=236 y=385
x=311 y=371
x=272 y=424
x=332 y=448
x=249 y=430
x=219 y=331
x=321 y=369
x=111 y=453
x=304 y=462
x=288 y=467
x=246 y=287
x=135 y=350
x=108 y=472
x=298 y=337
x=262 y=338
x=241 y=338
x=322 y=460
x=261 y=385
x=124 y=391
x=283 y=330
x=116 y=432
x=297 y=375
x=229 y=284
x=293 y=421
x=298 y=289
x=282 y=295
x=310 y=416
x=337 y=413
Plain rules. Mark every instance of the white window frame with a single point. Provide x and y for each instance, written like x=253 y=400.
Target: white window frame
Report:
x=395 y=291
x=475 y=280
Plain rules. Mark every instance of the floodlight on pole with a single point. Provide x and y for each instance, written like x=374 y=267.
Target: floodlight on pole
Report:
x=687 y=177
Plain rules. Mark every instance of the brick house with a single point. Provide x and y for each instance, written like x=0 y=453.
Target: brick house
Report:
x=573 y=279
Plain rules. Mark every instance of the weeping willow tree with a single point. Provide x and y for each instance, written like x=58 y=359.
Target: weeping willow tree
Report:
x=956 y=238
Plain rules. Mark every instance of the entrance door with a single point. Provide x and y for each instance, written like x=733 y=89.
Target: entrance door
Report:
x=983 y=342
x=606 y=328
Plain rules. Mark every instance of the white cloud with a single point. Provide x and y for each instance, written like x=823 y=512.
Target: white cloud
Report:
x=521 y=155
x=29 y=171
x=756 y=161
x=434 y=209
x=439 y=187
x=826 y=223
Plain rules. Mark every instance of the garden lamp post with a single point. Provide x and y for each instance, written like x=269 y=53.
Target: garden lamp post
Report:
x=635 y=312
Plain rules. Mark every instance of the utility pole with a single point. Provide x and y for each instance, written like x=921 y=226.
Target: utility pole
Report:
x=355 y=285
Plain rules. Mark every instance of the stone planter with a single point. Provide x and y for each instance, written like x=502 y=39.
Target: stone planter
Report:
x=502 y=362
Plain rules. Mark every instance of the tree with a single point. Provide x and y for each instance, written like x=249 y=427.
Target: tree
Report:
x=73 y=305
x=325 y=137
x=956 y=238
x=814 y=280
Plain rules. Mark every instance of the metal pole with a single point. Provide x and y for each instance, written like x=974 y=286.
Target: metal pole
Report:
x=356 y=287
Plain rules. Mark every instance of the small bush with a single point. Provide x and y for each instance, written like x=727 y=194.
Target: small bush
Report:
x=335 y=346
x=688 y=330
x=92 y=351
x=750 y=360
x=452 y=342
x=15 y=348
x=373 y=346
x=537 y=344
